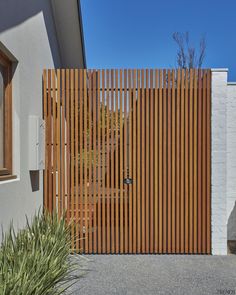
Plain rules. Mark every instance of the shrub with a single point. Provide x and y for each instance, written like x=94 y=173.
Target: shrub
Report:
x=36 y=259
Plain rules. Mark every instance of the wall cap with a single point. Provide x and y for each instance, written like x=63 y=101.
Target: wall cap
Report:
x=220 y=70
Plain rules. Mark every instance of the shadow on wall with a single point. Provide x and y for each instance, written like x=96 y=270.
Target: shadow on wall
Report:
x=15 y=12
x=231 y=231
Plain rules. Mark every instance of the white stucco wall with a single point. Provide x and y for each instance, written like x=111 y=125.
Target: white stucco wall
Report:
x=223 y=161
x=231 y=161
x=219 y=164
x=27 y=31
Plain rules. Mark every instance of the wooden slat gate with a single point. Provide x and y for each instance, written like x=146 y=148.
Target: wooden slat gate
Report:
x=128 y=155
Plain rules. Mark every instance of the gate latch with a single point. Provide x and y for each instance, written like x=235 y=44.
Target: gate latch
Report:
x=128 y=181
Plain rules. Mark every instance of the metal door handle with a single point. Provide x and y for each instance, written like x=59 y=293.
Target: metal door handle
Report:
x=128 y=181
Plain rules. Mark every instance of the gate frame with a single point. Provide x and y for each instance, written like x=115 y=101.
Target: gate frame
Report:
x=54 y=123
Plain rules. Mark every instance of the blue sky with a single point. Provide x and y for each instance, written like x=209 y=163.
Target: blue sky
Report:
x=138 y=33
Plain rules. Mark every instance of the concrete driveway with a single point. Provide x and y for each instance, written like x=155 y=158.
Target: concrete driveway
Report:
x=156 y=274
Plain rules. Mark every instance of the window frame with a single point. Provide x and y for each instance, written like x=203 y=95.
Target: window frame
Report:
x=6 y=170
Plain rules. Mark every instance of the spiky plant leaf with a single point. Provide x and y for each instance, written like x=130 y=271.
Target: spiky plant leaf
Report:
x=35 y=261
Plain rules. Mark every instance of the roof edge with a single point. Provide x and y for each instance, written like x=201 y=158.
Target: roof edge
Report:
x=69 y=30
x=82 y=33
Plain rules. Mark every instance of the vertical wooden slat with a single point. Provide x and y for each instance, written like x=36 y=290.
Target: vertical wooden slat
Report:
x=54 y=140
x=204 y=162
x=90 y=132
x=68 y=145
x=169 y=162
x=138 y=167
x=72 y=167
x=164 y=163
x=125 y=160
x=186 y=160
x=58 y=141
x=178 y=126
x=116 y=162
x=112 y=166
x=151 y=208
x=50 y=140
x=121 y=163
x=89 y=152
x=108 y=195
x=100 y=181
x=160 y=148
x=173 y=163
x=208 y=209
x=95 y=164
x=134 y=101
x=191 y=128
x=45 y=117
x=195 y=118
x=85 y=161
x=130 y=165
x=81 y=160
x=105 y=167
x=147 y=186
x=63 y=173
x=143 y=160
x=156 y=162
x=182 y=211
x=199 y=149
x=76 y=144
x=49 y=120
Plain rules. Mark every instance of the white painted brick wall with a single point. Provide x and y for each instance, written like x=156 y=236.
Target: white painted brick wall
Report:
x=219 y=157
x=231 y=161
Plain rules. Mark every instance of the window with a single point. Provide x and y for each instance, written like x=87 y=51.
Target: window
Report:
x=5 y=118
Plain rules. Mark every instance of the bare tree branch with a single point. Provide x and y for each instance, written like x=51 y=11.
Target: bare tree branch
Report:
x=202 y=51
x=186 y=56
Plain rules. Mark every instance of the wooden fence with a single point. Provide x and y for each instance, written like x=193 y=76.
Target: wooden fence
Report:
x=128 y=156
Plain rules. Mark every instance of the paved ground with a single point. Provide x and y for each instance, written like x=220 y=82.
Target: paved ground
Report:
x=155 y=274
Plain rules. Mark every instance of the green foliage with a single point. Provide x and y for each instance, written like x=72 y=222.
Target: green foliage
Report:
x=110 y=121
x=92 y=154
x=36 y=259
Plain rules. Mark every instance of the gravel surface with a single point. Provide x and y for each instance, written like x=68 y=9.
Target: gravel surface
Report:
x=157 y=274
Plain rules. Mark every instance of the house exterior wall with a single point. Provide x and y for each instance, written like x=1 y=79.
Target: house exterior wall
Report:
x=231 y=161
x=219 y=163
x=27 y=32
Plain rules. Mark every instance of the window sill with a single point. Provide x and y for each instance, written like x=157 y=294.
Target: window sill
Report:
x=7 y=177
